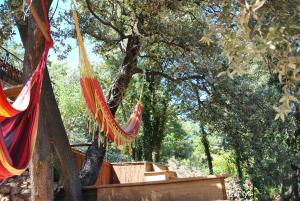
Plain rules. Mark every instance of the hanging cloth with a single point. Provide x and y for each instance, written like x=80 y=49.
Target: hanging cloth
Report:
x=19 y=120
x=97 y=104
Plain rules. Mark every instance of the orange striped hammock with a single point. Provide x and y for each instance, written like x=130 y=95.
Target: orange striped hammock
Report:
x=97 y=104
x=19 y=120
x=18 y=125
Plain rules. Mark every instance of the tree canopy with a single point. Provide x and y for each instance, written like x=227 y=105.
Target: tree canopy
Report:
x=221 y=83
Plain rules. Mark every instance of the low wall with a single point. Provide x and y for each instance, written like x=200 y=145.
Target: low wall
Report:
x=181 y=189
x=126 y=182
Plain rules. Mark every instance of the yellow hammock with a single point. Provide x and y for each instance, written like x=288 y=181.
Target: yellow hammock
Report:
x=96 y=102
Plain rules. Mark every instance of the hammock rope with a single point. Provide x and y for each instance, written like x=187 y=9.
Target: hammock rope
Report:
x=96 y=101
x=19 y=120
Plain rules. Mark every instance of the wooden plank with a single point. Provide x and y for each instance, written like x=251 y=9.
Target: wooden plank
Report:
x=180 y=190
x=104 y=176
x=224 y=188
x=158 y=176
x=128 y=173
x=10 y=74
x=148 y=166
x=79 y=157
x=176 y=180
x=88 y=194
x=159 y=167
x=14 y=91
x=81 y=145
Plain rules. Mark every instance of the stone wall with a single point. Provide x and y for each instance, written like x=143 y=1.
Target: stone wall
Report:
x=16 y=188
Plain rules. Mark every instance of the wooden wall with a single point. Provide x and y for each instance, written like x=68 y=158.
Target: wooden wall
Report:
x=126 y=182
x=79 y=158
x=105 y=176
x=117 y=173
x=129 y=172
x=184 y=189
x=13 y=92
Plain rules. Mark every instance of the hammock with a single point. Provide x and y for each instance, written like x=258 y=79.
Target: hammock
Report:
x=19 y=121
x=96 y=102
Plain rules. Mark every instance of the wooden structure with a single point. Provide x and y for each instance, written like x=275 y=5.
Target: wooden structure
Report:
x=10 y=77
x=145 y=181
x=180 y=189
x=13 y=92
x=8 y=72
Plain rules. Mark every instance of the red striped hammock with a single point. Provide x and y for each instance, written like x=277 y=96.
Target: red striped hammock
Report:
x=97 y=104
x=19 y=122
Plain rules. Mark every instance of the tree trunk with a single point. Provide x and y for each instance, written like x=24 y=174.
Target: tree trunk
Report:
x=156 y=154
x=95 y=154
x=204 y=139
x=148 y=150
x=206 y=146
x=58 y=136
x=293 y=142
x=147 y=118
x=154 y=118
x=295 y=183
x=159 y=128
x=50 y=121
x=41 y=170
x=137 y=150
x=238 y=163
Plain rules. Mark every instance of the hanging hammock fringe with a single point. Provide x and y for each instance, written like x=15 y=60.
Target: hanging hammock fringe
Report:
x=97 y=104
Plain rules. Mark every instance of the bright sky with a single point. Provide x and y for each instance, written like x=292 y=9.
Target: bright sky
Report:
x=72 y=58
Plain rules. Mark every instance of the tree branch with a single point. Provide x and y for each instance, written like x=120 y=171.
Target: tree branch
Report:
x=121 y=34
x=138 y=70
x=104 y=39
x=175 y=79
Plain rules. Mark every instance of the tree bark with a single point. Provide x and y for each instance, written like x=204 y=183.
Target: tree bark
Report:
x=137 y=150
x=50 y=124
x=238 y=162
x=148 y=142
x=206 y=146
x=58 y=136
x=41 y=165
x=204 y=139
x=41 y=170
x=159 y=128
x=156 y=154
x=95 y=153
x=154 y=118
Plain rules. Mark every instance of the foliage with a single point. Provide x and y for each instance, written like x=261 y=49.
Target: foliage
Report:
x=6 y=24
x=239 y=190
x=68 y=95
x=115 y=156
x=177 y=142
x=265 y=30
x=186 y=47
